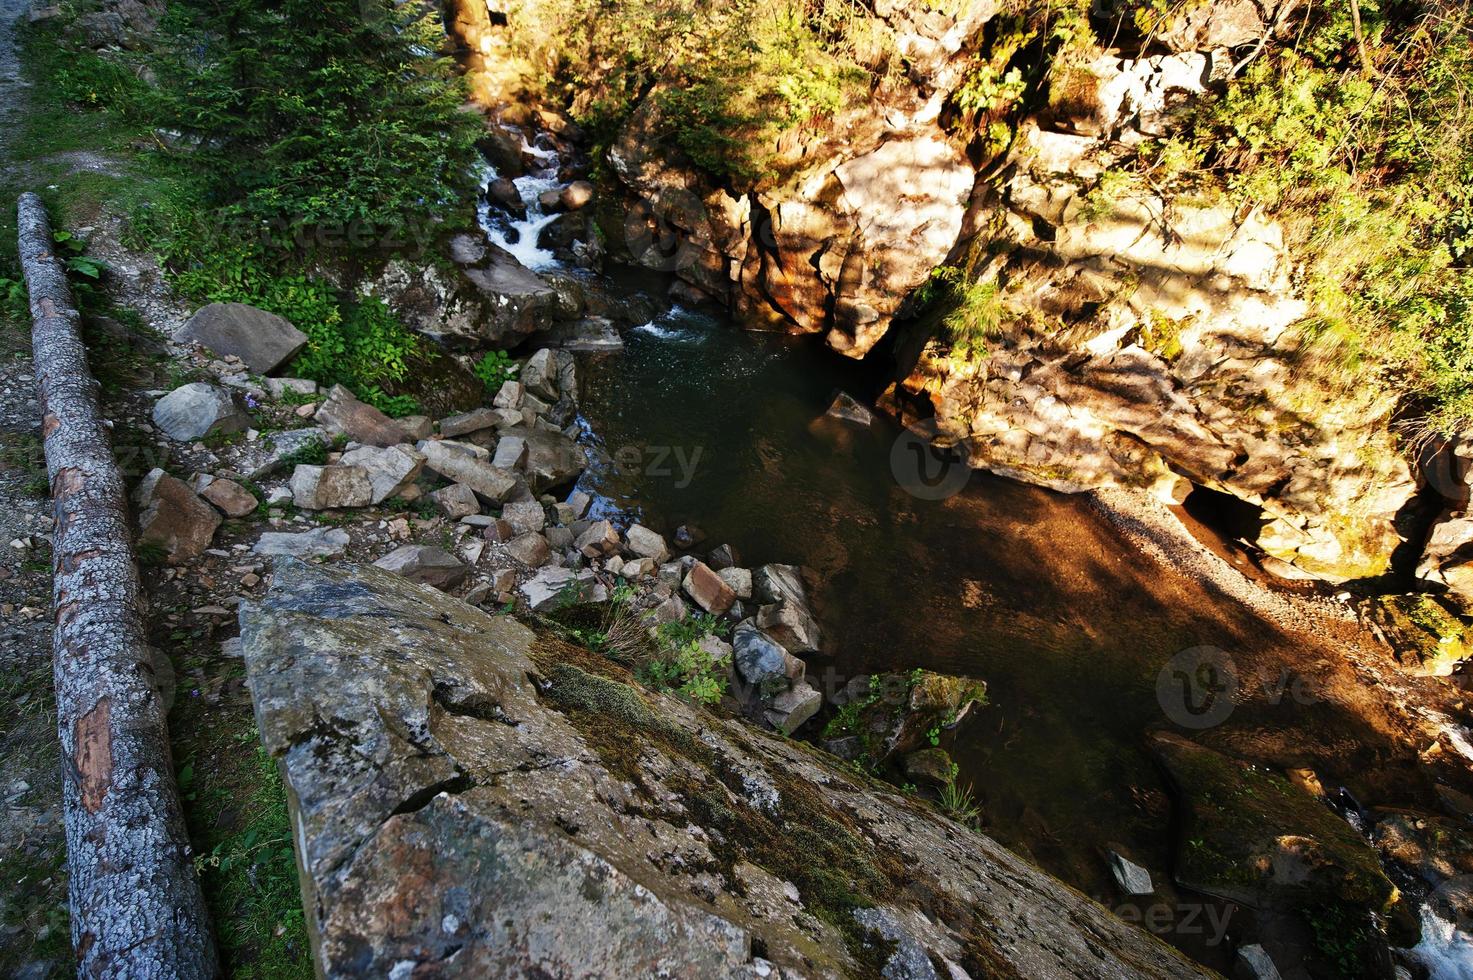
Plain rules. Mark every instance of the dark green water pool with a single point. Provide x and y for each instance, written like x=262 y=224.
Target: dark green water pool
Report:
x=1029 y=590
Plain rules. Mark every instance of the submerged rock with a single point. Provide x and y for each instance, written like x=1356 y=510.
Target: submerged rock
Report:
x=465 y=793
x=1263 y=841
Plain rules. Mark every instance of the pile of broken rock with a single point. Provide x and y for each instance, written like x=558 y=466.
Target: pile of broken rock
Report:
x=483 y=504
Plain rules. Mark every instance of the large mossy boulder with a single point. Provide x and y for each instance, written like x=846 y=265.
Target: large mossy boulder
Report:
x=471 y=798
x=1250 y=835
x=1426 y=638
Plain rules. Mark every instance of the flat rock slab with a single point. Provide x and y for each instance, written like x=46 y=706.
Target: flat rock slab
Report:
x=426 y=564
x=321 y=542
x=264 y=341
x=343 y=414
x=463 y=804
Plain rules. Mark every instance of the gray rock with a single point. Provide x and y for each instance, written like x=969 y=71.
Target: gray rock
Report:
x=463 y=463
x=1254 y=963
x=525 y=516
x=456 y=501
x=452 y=803
x=531 y=549
x=908 y=959
x=425 y=564
x=791 y=708
x=1131 y=877
x=279 y=388
x=637 y=568
x=722 y=556
x=553 y=459
x=846 y=408
x=510 y=395
x=264 y=341
x=791 y=625
x=511 y=453
x=416 y=427
x=282 y=446
x=328 y=487
x=760 y=660
x=343 y=414
x=598 y=541
x=472 y=421
x=739 y=580
x=173 y=518
x=552 y=585
x=560 y=538
x=645 y=543
x=539 y=375
x=786 y=613
x=390 y=471
x=503 y=192
x=195 y=410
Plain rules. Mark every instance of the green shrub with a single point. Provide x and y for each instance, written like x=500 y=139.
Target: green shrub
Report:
x=495 y=368
x=1372 y=175
x=308 y=115
x=974 y=309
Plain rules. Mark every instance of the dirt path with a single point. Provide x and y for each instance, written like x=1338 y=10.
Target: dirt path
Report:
x=33 y=925
x=12 y=85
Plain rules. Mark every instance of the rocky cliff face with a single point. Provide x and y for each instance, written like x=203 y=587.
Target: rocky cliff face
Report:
x=1140 y=340
x=1150 y=342
x=470 y=798
x=858 y=214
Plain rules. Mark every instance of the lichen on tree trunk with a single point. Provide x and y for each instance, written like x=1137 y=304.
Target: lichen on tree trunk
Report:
x=136 y=905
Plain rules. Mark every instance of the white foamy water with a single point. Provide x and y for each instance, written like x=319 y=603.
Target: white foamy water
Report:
x=675 y=324
x=519 y=235
x=1445 y=950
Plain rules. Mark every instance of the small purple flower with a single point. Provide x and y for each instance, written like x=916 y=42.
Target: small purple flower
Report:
x=251 y=402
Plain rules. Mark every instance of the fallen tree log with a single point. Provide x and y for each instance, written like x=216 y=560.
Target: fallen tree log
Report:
x=136 y=905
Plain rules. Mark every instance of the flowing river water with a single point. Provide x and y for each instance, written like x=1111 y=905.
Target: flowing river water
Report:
x=1078 y=636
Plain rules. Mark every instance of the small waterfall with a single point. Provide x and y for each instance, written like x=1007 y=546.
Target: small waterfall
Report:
x=519 y=235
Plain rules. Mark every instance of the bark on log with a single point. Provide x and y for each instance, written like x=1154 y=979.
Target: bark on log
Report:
x=136 y=906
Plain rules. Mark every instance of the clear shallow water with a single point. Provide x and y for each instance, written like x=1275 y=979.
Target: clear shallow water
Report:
x=1031 y=591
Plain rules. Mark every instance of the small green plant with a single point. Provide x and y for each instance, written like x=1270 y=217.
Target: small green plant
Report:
x=313 y=453
x=958 y=802
x=690 y=672
x=975 y=310
x=14 y=304
x=495 y=368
